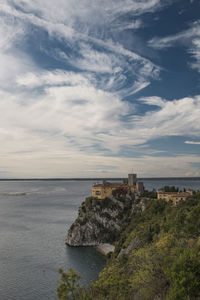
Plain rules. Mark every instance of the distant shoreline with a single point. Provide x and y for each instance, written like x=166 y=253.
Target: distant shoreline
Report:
x=97 y=179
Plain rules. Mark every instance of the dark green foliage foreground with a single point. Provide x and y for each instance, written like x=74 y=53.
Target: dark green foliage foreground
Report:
x=164 y=265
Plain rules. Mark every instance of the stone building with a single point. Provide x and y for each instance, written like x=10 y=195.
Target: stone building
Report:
x=174 y=196
x=105 y=189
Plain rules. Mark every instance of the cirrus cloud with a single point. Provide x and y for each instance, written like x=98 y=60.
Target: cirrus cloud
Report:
x=63 y=102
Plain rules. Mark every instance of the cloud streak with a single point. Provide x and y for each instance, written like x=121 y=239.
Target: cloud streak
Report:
x=189 y=38
x=111 y=58
x=192 y=143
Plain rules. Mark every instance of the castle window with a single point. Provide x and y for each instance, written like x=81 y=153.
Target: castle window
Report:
x=97 y=193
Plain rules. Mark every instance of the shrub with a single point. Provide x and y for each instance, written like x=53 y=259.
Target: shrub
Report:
x=68 y=284
x=184 y=276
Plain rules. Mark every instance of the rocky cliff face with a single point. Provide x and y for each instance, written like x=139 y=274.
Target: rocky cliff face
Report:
x=100 y=221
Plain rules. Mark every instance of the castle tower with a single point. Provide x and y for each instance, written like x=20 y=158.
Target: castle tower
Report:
x=139 y=187
x=132 y=178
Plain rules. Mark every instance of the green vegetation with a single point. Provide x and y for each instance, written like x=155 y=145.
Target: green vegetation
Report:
x=165 y=264
x=170 y=189
x=120 y=193
x=150 y=194
x=68 y=284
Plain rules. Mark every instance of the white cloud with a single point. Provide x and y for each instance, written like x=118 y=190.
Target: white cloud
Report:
x=64 y=123
x=93 y=60
x=195 y=52
x=13 y=64
x=178 y=117
x=190 y=38
x=10 y=32
x=94 y=12
x=54 y=78
x=45 y=138
x=192 y=143
x=72 y=24
x=66 y=164
x=134 y=25
x=192 y=32
x=81 y=125
x=157 y=101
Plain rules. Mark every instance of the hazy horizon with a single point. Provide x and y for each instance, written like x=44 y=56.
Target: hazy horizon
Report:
x=96 y=178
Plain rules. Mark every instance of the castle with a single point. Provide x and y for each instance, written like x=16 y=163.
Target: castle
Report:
x=129 y=185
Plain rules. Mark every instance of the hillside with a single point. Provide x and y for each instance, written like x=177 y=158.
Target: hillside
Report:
x=157 y=255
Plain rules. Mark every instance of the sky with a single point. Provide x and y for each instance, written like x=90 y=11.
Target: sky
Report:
x=93 y=88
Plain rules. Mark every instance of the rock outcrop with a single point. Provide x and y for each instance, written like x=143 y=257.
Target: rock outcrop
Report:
x=134 y=245
x=100 y=221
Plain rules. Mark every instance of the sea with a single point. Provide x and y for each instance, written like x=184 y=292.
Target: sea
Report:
x=34 y=219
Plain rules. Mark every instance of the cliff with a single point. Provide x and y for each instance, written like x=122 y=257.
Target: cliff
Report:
x=101 y=221
x=157 y=248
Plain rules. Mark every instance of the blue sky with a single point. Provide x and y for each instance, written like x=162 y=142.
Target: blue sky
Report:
x=99 y=88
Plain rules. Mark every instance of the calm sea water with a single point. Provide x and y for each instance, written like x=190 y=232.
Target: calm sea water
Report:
x=34 y=218
x=181 y=184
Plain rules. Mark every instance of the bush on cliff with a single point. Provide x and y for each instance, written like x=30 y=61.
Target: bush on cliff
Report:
x=165 y=265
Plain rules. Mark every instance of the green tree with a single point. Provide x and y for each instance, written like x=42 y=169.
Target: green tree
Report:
x=167 y=188
x=68 y=284
x=184 y=276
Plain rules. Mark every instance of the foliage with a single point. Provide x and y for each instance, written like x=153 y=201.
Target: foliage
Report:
x=150 y=194
x=68 y=284
x=120 y=193
x=184 y=275
x=167 y=188
x=166 y=265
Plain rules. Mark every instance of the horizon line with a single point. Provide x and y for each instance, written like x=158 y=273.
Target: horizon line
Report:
x=99 y=178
